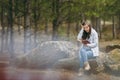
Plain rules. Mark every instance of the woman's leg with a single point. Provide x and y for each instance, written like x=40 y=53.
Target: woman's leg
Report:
x=84 y=55
x=87 y=55
x=81 y=57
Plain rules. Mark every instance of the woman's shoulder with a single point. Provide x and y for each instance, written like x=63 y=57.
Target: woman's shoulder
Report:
x=93 y=30
x=81 y=30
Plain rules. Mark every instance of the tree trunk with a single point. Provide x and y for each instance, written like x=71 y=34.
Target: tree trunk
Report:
x=68 y=30
x=55 y=30
x=77 y=27
x=35 y=22
x=16 y=8
x=119 y=21
x=6 y=36
x=98 y=26
x=35 y=33
x=55 y=21
x=13 y=10
x=119 y=26
x=3 y=28
x=46 y=26
x=10 y=25
x=19 y=30
x=77 y=30
x=93 y=21
x=27 y=25
x=69 y=26
x=83 y=17
x=113 y=28
x=103 y=25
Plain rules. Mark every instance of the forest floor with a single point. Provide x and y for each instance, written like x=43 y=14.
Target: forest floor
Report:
x=103 y=43
x=11 y=73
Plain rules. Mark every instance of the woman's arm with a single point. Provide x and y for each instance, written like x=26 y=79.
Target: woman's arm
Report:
x=79 y=37
x=95 y=40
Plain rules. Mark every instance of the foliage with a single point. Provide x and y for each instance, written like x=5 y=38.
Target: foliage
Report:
x=69 y=11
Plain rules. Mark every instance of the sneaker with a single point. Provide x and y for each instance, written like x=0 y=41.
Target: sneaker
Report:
x=81 y=72
x=87 y=66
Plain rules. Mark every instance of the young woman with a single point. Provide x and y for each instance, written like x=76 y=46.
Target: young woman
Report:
x=89 y=48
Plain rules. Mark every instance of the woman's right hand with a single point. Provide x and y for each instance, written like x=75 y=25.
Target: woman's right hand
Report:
x=85 y=42
x=80 y=40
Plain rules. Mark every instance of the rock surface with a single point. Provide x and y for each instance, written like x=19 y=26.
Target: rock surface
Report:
x=57 y=54
x=74 y=63
x=47 y=54
x=112 y=47
x=113 y=60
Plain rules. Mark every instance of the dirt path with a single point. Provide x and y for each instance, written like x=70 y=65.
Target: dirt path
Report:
x=12 y=73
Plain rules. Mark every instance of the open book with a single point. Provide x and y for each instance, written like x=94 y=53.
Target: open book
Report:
x=85 y=42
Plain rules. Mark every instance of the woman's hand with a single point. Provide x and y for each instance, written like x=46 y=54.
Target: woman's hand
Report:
x=80 y=40
x=85 y=42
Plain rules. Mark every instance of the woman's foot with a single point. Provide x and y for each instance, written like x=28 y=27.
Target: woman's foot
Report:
x=81 y=72
x=87 y=66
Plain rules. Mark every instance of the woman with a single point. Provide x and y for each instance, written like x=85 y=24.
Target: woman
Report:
x=89 y=49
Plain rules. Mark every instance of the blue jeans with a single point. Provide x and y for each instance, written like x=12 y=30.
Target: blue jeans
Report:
x=85 y=54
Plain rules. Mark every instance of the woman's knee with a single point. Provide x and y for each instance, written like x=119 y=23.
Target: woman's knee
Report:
x=82 y=50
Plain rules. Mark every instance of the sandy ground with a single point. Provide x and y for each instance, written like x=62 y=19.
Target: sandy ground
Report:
x=11 y=73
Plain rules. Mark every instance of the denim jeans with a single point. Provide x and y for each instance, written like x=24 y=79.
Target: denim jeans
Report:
x=85 y=54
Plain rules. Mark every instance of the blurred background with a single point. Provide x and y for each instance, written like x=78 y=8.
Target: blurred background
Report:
x=27 y=25
x=58 y=19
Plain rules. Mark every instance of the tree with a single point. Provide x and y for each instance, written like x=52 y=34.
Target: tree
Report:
x=10 y=27
x=3 y=27
x=27 y=34
x=55 y=22
x=35 y=21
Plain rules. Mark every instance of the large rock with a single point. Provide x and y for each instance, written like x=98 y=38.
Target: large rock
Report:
x=113 y=60
x=73 y=63
x=114 y=56
x=112 y=47
x=56 y=54
x=46 y=54
x=56 y=47
x=97 y=64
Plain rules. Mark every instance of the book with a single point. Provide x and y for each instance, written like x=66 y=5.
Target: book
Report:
x=85 y=42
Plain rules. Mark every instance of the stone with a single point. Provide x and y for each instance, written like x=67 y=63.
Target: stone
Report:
x=45 y=55
x=113 y=60
x=112 y=47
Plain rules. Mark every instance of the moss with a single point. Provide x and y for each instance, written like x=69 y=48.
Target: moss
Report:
x=119 y=67
x=115 y=55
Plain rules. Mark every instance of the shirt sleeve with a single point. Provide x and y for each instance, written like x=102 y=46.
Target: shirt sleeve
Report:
x=95 y=40
x=80 y=34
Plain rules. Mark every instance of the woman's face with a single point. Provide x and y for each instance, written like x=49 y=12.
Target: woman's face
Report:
x=86 y=28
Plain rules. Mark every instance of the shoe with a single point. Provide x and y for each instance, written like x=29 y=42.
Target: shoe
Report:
x=81 y=72
x=87 y=66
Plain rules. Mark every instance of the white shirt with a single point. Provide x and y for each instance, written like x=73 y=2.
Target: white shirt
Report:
x=93 y=41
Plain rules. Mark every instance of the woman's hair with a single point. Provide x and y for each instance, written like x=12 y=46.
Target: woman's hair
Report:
x=86 y=35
